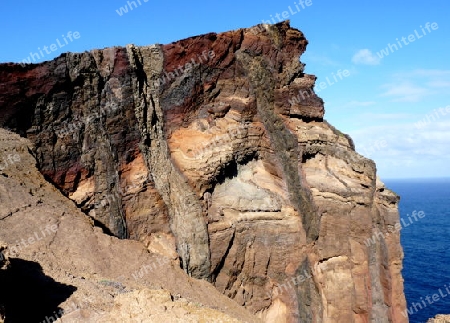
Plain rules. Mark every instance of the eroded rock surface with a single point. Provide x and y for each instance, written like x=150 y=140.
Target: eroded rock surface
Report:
x=440 y=319
x=61 y=265
x=4 y=264
x=195 y=149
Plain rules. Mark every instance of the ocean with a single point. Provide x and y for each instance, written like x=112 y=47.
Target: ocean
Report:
x=426 y=244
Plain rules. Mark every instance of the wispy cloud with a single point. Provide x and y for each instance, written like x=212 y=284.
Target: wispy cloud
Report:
x=403 y=150
x=365 y=57
x=359 y=104
x=439 y=84
x=429 y=73
x=319 y=59
x=388 y=116
x=414 y=85
x=404 y=92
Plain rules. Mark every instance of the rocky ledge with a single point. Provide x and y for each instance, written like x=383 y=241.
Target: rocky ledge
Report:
x=440 y=319
x=197 y=150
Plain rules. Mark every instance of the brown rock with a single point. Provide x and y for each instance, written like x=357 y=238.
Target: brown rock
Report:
x=59 y=260
x=440 y=319
x=198 y=149
x=4 y=263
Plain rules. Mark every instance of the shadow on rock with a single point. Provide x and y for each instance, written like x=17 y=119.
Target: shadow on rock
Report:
x=28 y=295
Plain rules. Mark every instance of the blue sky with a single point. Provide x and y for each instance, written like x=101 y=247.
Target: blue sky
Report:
x=379 y=104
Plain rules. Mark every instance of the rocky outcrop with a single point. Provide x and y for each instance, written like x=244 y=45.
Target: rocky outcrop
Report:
x=61 y=265
x=4 y=264
x=197 y=149
x=440 y=319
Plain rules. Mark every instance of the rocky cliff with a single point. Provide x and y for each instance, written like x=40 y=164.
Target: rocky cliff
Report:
x=59 y=265
x=440 y=319
x=4 y=264
x=194 y=149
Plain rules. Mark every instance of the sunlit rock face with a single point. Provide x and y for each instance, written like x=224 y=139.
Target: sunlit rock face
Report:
x=197 y=149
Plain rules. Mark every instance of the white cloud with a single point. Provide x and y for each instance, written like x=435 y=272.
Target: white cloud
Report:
x=353 y=104
x=365 y=57
x=421 y=72
x=319 y=59
x=405 y=150
x=439 y=84
x=414 y=85
x=404 y=92
x=387 y=116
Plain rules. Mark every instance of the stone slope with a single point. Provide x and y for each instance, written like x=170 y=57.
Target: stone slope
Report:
x=60 y=260
x=194 y=149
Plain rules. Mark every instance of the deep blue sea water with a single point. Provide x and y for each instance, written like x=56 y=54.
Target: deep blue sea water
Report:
x=426 y=244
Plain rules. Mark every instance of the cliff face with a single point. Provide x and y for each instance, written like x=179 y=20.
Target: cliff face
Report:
x=59 y=265
x=4 y=264
x=194 y=149
x=440 y=319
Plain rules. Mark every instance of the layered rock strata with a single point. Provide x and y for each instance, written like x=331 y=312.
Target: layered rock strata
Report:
x=195 y=149
x=62 y=266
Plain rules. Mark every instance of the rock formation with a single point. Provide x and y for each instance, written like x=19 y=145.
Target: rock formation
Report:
x=4 y=264
x=194 y=149
x=440 y=319
x=61 y=265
